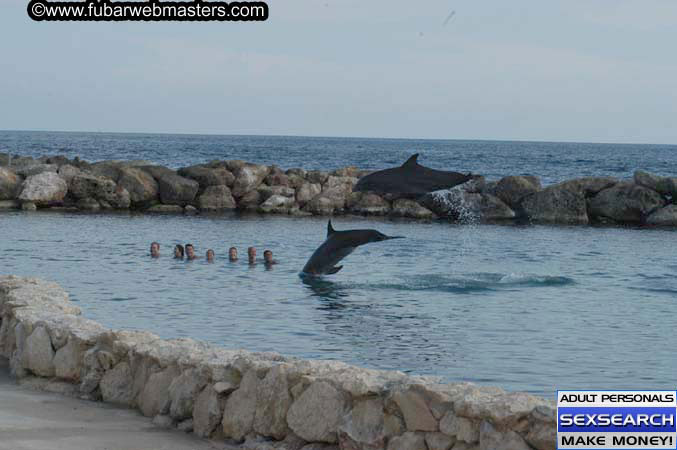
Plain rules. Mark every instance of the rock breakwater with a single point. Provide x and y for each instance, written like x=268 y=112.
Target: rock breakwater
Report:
x=263 y=400
x=57 y=182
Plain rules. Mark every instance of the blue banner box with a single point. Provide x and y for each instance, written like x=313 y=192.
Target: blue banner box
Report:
x=616 y=420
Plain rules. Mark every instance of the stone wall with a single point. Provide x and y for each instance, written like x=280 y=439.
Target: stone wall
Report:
x=263 y=400
x=57 y=182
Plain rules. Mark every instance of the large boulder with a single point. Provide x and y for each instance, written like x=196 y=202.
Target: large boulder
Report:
x=317 y=413
x=664 y=217
x=208 y=176
x=556 y=204
x=68 y=172
x=457 y=204
x=34 y=169
x=321 y=205
x=306 y=192
x=177 y=190
x=216 y=198
x=250 y=201
x=142 y=187
x=278 y=204
x=44 y=189
x=9 y=184
x=625 y=203
x=511 y=190
x=662 y=185
x=248 y=177
x=269 y=191
x=410 y=208
x=371 y=204
x=102 y=189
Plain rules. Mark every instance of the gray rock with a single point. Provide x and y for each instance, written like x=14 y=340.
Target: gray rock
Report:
x=562 y=203
x=68 y=361
x=240 y=409
x=67 y=172
x=116 y=385
x=317 y=176
x=511 y=190
x=248 y=178
x=409 y=208
x=277 y=204
x=461 y=428
x=38 y=353
x=457 y=204
x=10 y=183
x=272 y=403
x=250 y=201
x=9 y=204
x=154 y=398
x=44 y=189
x=371 y=204
x=277 y=179
x=163 y=421
x=85 y=186
x=492 y=439
x=183 y=392
x=28 y=206
x=186 y=426
x=625 y=203
x=208 y=176
x=268 y=191
x=207 y=412
x=322 y=205
x=439 y=441
x=306 y=192
x=662 y=185
x=142 y=187
x=362 y=427
x=177 y=190
x=34 y=169
x=408 y=441
x=165 y=209
x=190 y=210
x=88 y=204
x=350 y=171
x=316 y=414
x=415 y=410
x=664 y=217
x=216 y=198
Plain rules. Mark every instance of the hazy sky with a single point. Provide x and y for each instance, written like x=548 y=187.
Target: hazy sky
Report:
x=588 y=70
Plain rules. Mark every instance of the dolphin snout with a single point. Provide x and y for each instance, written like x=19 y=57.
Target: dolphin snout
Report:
x=395 y=237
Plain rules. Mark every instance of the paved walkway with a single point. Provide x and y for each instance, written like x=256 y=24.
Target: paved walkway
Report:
x=35 y=420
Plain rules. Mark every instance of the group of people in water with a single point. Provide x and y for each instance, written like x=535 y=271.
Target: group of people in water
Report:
x=188 y=253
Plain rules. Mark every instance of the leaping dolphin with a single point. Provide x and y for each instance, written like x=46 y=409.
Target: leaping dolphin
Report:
x=337 y=246
x=410 y=179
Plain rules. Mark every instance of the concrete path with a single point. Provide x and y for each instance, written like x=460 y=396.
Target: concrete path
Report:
x=34 y=420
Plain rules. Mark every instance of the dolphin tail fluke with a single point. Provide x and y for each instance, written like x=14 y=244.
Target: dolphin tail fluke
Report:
x=333 y=270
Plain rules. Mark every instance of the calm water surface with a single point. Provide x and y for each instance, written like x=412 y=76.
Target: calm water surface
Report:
x=526 y=308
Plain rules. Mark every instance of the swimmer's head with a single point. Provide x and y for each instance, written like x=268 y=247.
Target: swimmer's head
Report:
x=210 y=255
x=251 y=253
x=190 y=251
x=232 y=254
x=154 y=249
x=178 y=251
x=268 y=256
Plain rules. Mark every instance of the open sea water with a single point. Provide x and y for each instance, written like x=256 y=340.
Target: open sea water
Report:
x=532 y=308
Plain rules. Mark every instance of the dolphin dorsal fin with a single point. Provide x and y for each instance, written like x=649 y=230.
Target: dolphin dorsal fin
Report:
x=330 y=229
x=411 y=162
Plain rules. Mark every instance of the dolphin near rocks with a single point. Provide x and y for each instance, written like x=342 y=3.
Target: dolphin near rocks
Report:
x=337 y=246
x=410 y=179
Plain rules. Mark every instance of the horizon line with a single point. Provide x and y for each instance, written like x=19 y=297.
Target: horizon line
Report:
x=216 y=134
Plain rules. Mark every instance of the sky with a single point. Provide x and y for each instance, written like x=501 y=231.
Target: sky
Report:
x=556 y=70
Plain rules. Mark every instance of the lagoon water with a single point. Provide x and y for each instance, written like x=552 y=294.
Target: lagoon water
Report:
x=533 y=308
x=530 y=308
